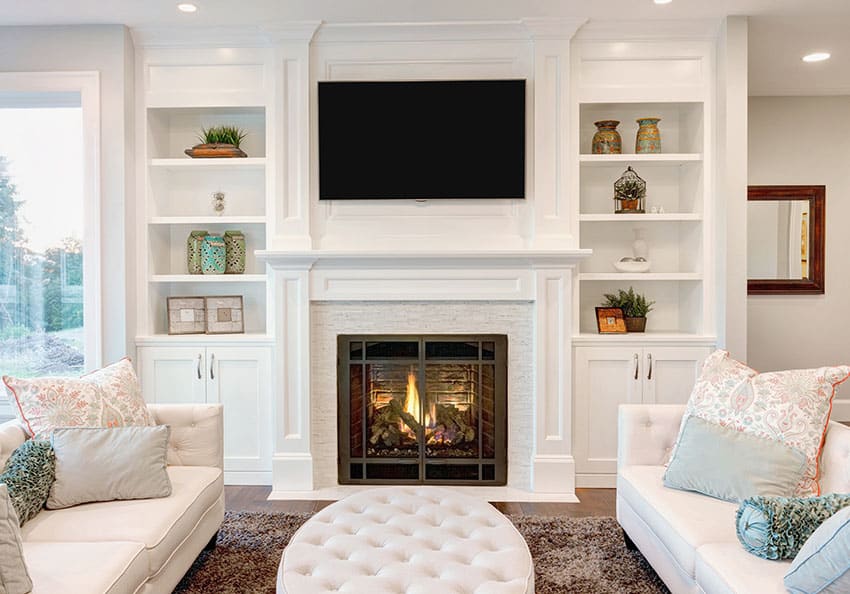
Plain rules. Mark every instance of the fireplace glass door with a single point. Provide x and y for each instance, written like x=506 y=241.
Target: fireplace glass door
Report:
x=417 y=409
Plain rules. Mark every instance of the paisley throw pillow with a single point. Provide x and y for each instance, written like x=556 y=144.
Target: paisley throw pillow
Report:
x=108 y=397
x=28 y=475
x=791 y=407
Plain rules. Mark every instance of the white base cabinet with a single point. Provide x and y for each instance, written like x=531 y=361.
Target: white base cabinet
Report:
x=608 y=376
x=238 y=377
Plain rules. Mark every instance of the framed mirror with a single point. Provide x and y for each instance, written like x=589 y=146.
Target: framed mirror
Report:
x=785 y=240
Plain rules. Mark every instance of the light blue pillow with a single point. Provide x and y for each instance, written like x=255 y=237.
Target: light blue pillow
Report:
x=823 y=564
x=732 y=465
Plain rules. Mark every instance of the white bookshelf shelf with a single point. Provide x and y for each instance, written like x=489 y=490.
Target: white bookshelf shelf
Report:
x=183 y=163
x=632 y=218
x=208 y=278
x=661 y=159
x=208 y=220
x=204 y=339
x=640 y=276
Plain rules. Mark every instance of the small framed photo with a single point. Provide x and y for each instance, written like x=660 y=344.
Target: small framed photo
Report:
x=186 y=315
x=224 y=315
x=610 y=320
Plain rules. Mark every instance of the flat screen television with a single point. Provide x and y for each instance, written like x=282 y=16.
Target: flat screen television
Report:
x=422 y=139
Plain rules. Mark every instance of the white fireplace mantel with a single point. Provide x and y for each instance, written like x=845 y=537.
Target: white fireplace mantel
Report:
x=544 y=278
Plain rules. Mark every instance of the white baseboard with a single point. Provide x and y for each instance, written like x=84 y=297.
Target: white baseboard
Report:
x=596 y=481
x=292 y=472
x=487 y=493
x=241 y=477
x=553 y=474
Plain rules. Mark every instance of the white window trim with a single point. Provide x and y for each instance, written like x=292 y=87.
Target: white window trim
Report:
x=87 y=84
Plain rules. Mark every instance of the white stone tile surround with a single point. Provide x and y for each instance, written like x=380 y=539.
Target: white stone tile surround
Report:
x=330 y=319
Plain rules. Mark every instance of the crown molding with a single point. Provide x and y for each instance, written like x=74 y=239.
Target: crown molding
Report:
x=553 y=28
x=236 y=36
x=661 y=30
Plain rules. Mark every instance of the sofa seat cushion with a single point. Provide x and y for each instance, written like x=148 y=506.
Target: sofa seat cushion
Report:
x=86 y=568
x=160 y=524
x=682 y=520
x=727 y=567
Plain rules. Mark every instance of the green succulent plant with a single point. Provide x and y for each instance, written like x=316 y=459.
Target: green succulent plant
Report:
x=222 y=135
x=634 y=305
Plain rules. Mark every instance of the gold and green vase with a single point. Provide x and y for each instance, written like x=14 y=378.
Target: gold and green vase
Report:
x=234 y=245
x=648 y=138
x=607 y=140
x=193 y=251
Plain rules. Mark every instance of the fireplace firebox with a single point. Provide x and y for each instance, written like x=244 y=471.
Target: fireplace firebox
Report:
x=422 y=409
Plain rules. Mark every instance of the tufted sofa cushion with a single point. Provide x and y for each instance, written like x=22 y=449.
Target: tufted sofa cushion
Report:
x=409 y=540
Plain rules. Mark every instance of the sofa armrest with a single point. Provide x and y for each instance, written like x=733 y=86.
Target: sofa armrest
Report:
x=12 y=435
x=646 y=433
x=835 y=461
x=197 y=433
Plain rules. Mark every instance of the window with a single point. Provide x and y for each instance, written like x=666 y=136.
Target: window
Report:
x=48 y=316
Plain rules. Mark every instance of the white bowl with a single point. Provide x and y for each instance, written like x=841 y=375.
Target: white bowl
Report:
x=632 y=266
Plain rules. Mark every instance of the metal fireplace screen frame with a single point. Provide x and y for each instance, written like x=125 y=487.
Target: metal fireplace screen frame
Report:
x=487 y=468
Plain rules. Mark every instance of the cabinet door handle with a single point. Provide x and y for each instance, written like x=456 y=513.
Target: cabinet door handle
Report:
x=649 y=373
x=199 y=365
x=637 y=365
x=212 y=363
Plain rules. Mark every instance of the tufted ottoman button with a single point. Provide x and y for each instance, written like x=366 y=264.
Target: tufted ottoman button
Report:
x=427 y=534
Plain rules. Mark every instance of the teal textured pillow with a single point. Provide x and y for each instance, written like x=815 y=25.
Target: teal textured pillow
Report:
x=776 y=527
x=823 y=564
x=28 y=475
x=732 y=465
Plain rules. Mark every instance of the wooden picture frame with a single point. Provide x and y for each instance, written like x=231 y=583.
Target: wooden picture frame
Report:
x=610 y=320
x=225 y=314
x=186 y=315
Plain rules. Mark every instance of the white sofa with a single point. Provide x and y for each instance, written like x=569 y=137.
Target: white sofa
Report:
x=141 y=546
x=688 y=538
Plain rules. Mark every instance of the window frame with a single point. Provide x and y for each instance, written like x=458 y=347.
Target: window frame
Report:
x=87 y=84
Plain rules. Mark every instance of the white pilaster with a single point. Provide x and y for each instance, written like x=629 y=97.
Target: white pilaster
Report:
x=553 y=463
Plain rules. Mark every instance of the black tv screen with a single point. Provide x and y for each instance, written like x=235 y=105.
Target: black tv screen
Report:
x=422 y=139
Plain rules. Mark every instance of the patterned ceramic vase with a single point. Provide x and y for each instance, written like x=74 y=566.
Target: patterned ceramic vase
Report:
x=607 y=140
x=234 y=244
x=193 y=251
x=648 y=137
x=213 y=255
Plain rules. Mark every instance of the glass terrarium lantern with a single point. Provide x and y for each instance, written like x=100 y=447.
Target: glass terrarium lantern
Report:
x=629 y=193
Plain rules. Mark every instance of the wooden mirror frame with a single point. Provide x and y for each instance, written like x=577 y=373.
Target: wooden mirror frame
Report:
x=814 y=284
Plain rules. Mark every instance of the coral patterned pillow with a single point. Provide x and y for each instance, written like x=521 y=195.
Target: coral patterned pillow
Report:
x=791 y=407
x=108 y=397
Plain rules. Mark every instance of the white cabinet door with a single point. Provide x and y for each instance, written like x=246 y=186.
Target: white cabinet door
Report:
x=173 y=374
x=240 y=379
x=605 y=378
x=669 y=373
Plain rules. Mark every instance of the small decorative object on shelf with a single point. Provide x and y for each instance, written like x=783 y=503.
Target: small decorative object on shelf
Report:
x=213 y=255
x=634 y=305
x=186 y=315
x=193 y=251
x=224 y=315
x=607 y=140
x=234 y=247
x=610 y=320
x=648 y=138
x=629 y=192
x=218 y=203
x=218 y=142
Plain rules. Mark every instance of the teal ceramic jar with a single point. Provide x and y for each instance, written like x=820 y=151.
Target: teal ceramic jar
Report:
x=607 y=140
x=213 y=255
x=648 y=136
x=194 y=245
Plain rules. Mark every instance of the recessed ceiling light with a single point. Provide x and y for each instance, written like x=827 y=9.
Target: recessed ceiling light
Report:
x=662 y=1
x=187 y=7
x=816 y=57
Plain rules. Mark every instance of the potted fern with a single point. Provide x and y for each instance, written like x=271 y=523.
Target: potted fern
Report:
x=634 y=305
x=218 y=142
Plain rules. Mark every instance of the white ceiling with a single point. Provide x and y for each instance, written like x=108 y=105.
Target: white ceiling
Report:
x=780 y=30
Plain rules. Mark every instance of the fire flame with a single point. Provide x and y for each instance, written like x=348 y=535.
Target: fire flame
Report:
x=411 y=399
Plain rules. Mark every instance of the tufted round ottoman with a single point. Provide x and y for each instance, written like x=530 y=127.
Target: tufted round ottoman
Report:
x=411 y=540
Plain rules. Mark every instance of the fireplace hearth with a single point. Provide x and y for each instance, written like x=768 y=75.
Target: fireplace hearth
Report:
x=422 y=409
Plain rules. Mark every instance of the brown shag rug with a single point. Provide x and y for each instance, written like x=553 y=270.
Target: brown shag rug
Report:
x=571 y=555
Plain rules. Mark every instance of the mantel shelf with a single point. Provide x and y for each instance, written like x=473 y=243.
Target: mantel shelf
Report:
x=661 y=159
x=208 y=278
x=422 y=258
x=208 y=220
x=636 y=217
x=184 y=163
x=640 y=276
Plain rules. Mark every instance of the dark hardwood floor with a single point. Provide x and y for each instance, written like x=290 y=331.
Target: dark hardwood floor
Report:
x=593 y=502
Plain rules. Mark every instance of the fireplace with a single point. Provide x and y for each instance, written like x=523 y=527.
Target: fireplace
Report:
x=422 y=409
